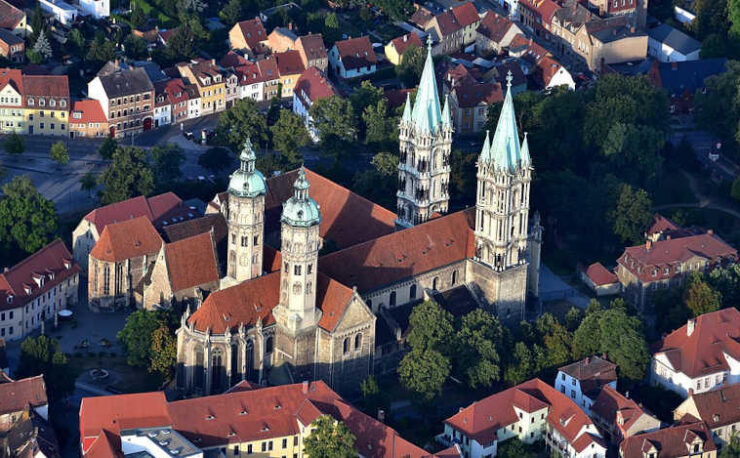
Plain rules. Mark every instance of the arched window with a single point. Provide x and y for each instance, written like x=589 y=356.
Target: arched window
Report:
x=454 y=277
x=235 y=368
x=268 y=345
x=216 y=369
x=345 y=345
x=369 y=303
x=393 y=299
x=435 y=283
x=249 y=358
x=412 y=292
x=358 y=341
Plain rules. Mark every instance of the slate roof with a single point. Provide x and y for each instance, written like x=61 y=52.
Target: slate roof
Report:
x=678 y=77
x=126 y=82
x=674 y=38
x=593 y=373
x=192 y=227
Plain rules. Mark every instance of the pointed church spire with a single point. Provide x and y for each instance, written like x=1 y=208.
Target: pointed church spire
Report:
x=485 y=153
x=446 y=119
x=505 y=143
x=524 y=152
x=427 y=113
x=247 y=157
x=407 y=109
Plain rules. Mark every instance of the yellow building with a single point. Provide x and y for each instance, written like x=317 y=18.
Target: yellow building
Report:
x=211 y=84
x=396 y=47
x=290 y=67
x=47 y=104
x=11 y=102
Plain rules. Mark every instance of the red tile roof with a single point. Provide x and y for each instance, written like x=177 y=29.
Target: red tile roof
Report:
x=105 y=445
x=46 y=86
x=421 y=17
x=668 y=442
x=154 y=208
x=312 y=86
x=15 y=79
x=253 y=32
x=548 y=67
x=50 y=266
x=10 y=16
x=86 y=111
x=610 y=403
x=600 y=275
x=403 y=254
x=397 y=97
x=471 y=94
x=346 y=217
x=719 y=407
x=192 y=261
x=248 y=73
x=268 y=68
x=175 y=89
x=494 y=27
x=404 y=42
x=356 y=52
x=702 y=352
x=649 y=261
x=312 y=46
x=127 y=239
x=665 y=228
x=15 y=396
x=232 y=59
x=447 y=23
x=289 y=63
x=482 y=419
x=545 y=9
x=466 y=14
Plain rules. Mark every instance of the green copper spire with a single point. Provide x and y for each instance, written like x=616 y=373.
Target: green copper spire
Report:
x=407 y=109
x=247 y=181
x=505 y=143
x=301 y=210
x=427 y=113
x=524 y=152
x=446 y=119
x=485 y=153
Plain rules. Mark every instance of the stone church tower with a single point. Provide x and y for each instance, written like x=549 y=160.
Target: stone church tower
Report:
x=502 y=214
x=297 y=314
x=425 y=143
x=246 y=208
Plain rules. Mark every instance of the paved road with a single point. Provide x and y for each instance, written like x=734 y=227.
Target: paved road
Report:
x=702 y=143
x=704 y=201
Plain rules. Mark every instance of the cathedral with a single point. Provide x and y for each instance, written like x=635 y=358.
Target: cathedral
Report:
x=331 y=303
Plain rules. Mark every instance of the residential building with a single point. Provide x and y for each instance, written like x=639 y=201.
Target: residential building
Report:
x=119 y=262
x=281 y=39
x=126 y=96
x=313 y=51
x=47 y=103
x=249 y=35
x=421 y=17
x=353 y=58
x=35 y=289
x=683 y=79
x=209 y=80
x=531 y=411
x=454 y=28
x=600 y=280
x=668 y=44
x=178 y=96
x=537 y=16
x=311 y=86
x=86 y=119
x=12 y=102
x=270 y=77
x=686 y=439
x=665 y=263
x=194 y=101
x=157 y=209
x=99 y=9
x=13 y=19
x=621 y=417
x=233 y=90
x=718 y=409
x=539 y=64
x=12 y=47
x=701 y=355
x=396 y=47
x=24 y=418
x=162 y=105
x=583 y=380
x=224 y=424
x=469 y=99
x=251 y=84
x=290 y=67
x=62 y=11
x=494 y=34
x=611 y=41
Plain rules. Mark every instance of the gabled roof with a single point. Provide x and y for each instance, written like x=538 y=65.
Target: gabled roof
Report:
x=212 y=222
x=289 y=63
x=86 y=111
x=46 y=86
x=10 y=16
x=268 y=68
x=610 y=403
x=192 y=261
x=421 y=17
x=312 y=86
x=477 y=94
x=403 y=254
x=404 y=42
x=106 y=445
x=312 y=46
x=669 y=442
x=175 y=89
x=37 y=274
x=356 y=52
x=121 y=412
x=232 y=59
x=718 y=407
x=253 y=32
x=466 y=14
x=154 y=208
x=593 y=372
x=546 y=9
x=15 y=396
x=10 y=38
x=447 y=23
x=674 y=38
x=127 y=239
x=14 y=78
x=600 y=275
x=702 y=352
x=688 y=76
x=494 y=27
x=124 y=82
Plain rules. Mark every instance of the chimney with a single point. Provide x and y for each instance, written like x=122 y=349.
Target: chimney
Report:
x=405 y=38
x=627 y=394
x=648 y=245
x=710 y=231
x=304 y=387
x=690 y=326
x=587 y=360
x=691 y=392
x=116 y=64
x=381 y=415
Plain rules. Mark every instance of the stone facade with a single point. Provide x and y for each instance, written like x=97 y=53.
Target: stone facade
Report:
x=112 y=285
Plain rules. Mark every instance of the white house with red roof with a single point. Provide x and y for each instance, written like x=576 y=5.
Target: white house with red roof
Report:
x=701 y=355
x=312 y=85
x=602 y=281
x=251 y=81
x=583 y=380
x=531 y=411
x=353 y=58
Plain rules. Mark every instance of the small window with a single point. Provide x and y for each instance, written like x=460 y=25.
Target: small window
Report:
x=345 y=345
x=392 y=300
x=296 y=270
x=358 y=341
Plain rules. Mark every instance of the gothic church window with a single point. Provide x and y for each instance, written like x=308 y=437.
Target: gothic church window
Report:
x=268 y=345
x=358 y=341
x=296 y=270
x=345 y=346
x=454 y=278
x=297 y=288
x=412 y=292
x=392 y=300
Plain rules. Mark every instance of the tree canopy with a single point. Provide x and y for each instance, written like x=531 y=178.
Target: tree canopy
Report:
x=130 y=174
x=289 y=134
x=242 y=121
x=42 y=356
x=330 y=438
x=27 y=219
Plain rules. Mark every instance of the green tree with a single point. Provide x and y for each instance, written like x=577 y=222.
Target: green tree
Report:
x=232 y=12
x=242 y=121
x=586 y=336
x=42 y=356
x=735 y=189
x=58 y=153
x=37 y=22
x=27 y=219
x=289 y=134
x=514 y=448
x=129 y=174
x=411 y=66
x=522 y=365
x=635 y=152
x=101 y=50
x=573 y=318
x=370 y=394
x=138 y=17
x=718 y=109
x=330 y=29
x=166 y=162
x=711 y=17
x=623 y=341
x=480 y=339
x=108 y=147
x=163 y=353
x=699 y=297
x=137 y=337
x=364 y=96
x=732 y=448
x=423 y=372
x=215 y=159
x=330 y=438
x=556 y=340
x=379 y=127
x=135 y=47
x=14 y=144
x=333 y=118
x=633 y=214
x=431 y=328
x=76 y=41
x=379 y=182
x=42 y=47
x=88 y=182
